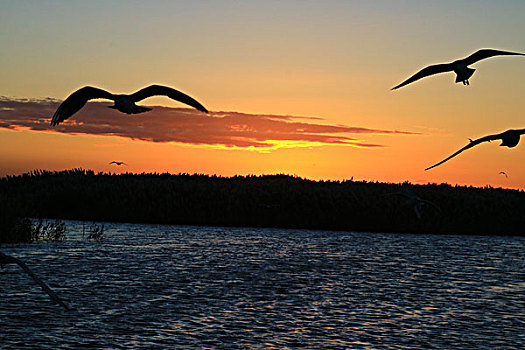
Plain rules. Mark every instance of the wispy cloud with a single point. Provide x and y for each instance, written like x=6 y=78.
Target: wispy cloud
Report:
x=187 y=126
x=433 y=131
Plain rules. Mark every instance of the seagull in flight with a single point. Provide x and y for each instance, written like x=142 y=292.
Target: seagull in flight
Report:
x=460 y=67
x=414 y=200
x=509 y=138
x=117 y=163
x=123 y=103
x=504 y=173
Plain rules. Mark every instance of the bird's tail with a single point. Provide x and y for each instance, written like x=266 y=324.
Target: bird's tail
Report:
x=465 y=75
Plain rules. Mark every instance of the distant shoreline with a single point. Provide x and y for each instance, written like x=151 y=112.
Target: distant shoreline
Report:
x=277 y=201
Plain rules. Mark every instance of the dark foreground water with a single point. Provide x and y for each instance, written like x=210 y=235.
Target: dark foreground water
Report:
x=149 y=286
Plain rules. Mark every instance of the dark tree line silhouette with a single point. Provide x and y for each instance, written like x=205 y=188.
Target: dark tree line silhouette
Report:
x=263 y=201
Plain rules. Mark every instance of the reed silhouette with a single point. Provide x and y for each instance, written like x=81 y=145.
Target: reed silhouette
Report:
x=263 y=201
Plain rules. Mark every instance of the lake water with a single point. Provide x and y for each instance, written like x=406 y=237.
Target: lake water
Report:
x=154 y=286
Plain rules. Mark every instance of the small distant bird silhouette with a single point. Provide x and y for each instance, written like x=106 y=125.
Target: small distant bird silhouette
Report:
x=118 y=163
x=460 y=67
x=504 y=173
x=123 y=103
x=509 y=138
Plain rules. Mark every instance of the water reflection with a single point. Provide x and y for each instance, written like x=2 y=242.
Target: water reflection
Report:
x=189 y=287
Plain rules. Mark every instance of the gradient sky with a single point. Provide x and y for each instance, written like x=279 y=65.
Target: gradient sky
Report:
x=296 y=87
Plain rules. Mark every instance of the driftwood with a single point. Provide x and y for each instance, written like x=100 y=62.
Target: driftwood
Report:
x=7 y=259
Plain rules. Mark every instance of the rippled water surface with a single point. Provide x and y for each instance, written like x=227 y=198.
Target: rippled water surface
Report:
x=154 y=286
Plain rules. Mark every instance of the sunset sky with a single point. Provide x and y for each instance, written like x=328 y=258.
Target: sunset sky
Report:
x=295 y=87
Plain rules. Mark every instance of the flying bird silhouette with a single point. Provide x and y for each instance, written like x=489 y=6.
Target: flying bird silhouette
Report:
x=117 y=163
x=509 y=138
x=504 y=173
x=460 y=67
x=123 y=103
x=415 y=201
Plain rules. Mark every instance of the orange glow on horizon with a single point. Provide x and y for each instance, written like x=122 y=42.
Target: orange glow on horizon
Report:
x=329 y=66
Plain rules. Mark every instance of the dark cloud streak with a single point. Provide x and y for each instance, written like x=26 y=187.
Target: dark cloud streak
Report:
x=165 y=124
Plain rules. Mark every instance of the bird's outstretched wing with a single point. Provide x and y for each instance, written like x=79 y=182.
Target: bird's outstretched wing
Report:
x=471 y=144
x=77 y=100
x=430 y=203
x=158 y=90
x=8 y=259
x=486 y=53
x=425 y=72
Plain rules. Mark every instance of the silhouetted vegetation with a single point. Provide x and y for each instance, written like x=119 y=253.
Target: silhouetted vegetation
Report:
x=48 y=231
x=95 y=233
x=15 y=227
x=266 y=201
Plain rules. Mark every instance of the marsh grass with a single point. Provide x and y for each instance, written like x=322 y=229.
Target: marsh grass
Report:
x=96 y=233
x=16 y=227
x=48 y=231
x=265 y=201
